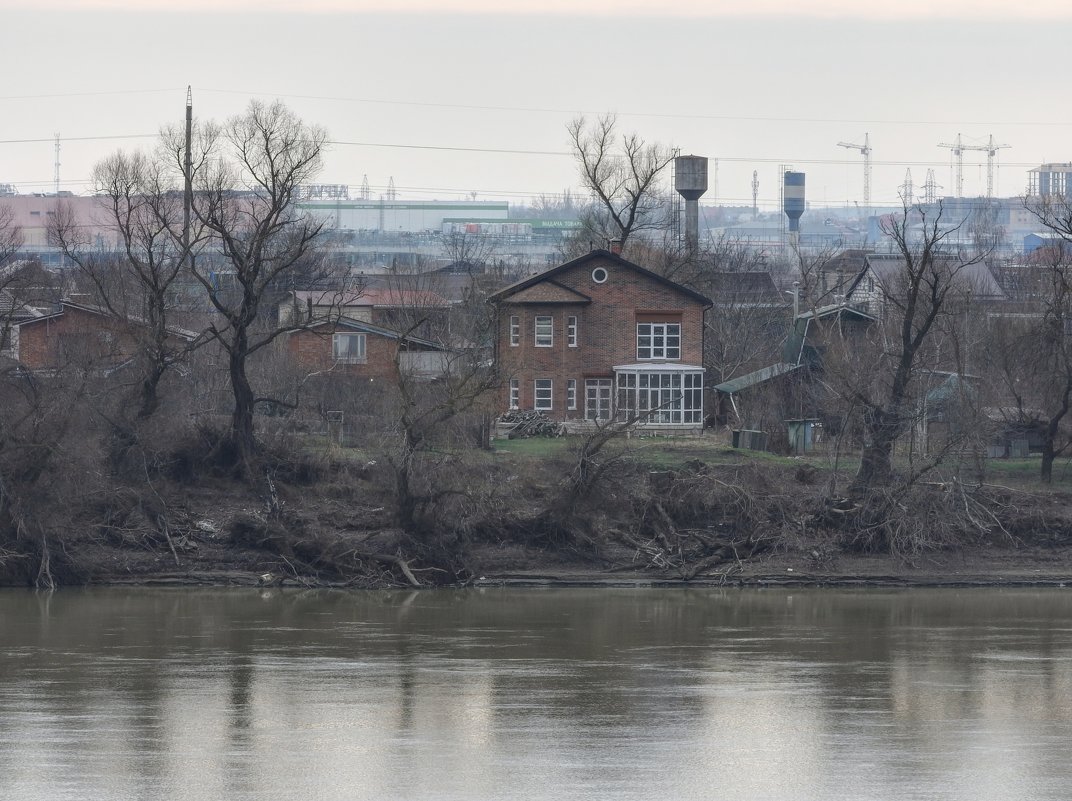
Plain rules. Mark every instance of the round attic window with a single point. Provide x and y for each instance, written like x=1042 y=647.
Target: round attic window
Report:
x=599 y=275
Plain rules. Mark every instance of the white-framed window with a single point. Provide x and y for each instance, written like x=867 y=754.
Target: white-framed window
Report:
x=658 y=340
x=599 y=275
x=515 y=393
x=545 y=331
x=571 y=331
x=348 y=348
x=661 y=398
x=597 y=398
x=544 y=394
x=515 y=331
x=571 y=393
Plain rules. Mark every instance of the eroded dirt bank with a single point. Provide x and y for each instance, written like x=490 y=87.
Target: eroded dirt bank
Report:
x=502 y=519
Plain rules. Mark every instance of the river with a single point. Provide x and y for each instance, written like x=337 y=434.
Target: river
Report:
x=674 y=694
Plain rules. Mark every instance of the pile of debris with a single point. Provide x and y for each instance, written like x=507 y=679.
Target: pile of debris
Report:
x=519 y=424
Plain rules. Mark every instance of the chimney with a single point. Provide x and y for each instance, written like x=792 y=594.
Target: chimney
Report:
x=616 y=247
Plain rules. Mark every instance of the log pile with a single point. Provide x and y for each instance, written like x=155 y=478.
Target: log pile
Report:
x=528 y=423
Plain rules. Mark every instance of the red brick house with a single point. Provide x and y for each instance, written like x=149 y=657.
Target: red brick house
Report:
x=358 y=348
x=599 y=338
x=78 y=336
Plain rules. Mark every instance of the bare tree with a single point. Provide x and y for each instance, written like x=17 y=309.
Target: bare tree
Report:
x=245 y=191
x=622 y=172
x=143 y=205
x=1032 y=352
x=11 y=240
x=915 y=303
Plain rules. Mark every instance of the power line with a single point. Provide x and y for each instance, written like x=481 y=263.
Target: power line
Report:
x=664 y=115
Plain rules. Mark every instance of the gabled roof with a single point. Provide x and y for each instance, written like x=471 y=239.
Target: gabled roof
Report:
x=750 y=288
x=614 y=258
x=975 y=276
x=376 y=297
x=182 y=333
x=368 y=328
x=11 y=308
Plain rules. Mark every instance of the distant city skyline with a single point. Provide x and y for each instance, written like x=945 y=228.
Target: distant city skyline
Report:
x=453 y=103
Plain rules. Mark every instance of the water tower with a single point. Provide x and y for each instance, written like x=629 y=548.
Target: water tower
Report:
x=690 y=181
x=793 y=203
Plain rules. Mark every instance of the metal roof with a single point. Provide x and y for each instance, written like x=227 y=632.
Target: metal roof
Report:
x=735 y=385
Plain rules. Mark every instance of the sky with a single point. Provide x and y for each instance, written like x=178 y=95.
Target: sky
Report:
x=454 y=97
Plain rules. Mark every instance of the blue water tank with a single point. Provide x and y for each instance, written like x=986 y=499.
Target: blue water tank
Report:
x=793 y=198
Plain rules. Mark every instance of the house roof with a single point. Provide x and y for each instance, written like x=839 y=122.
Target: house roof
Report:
x=12 y=308
x=368 y=328
x=377 y=297
x=182 y=333
x=836 y=310
x=513 y=289
x=735 y=385
x=975 y=276
x=751 y=288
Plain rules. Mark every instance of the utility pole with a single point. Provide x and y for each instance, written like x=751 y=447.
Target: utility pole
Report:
x=57 y=176
x=907 y=190
x=755 y=194
x=865 y=150
x=930 y=188
x=187 y=174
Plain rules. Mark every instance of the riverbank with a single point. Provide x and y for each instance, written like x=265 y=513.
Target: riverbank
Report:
x=657 y=513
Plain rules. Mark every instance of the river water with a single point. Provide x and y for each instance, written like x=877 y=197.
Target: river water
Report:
x=536 y=694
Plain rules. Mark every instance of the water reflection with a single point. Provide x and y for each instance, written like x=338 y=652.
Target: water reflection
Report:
x=491 y=694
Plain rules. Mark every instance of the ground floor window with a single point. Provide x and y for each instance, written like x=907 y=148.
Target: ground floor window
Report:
x=515 y=393
x=571 y=393
x=597 y=397
x=660 y=397
x=544 y=394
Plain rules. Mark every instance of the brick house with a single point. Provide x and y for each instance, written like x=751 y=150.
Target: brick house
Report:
x=358 y=348
x=599 y=338
x=78 y=336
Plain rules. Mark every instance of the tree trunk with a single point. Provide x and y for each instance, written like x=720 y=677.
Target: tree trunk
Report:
x=242 y=437
x=1048 y=456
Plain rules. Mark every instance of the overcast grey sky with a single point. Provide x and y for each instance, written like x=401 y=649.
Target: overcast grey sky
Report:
x=752 y=90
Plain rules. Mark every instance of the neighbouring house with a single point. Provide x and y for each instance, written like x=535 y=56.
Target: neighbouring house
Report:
x=12 y=314
x=79 y=336
x=601 y=338
x=783 y=392
x=420 y=311
x=361 y=349
x=879 y=279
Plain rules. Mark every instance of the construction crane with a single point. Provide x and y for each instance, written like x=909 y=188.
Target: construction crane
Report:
x=865 y=150
x=958 y=147
x=755 y=194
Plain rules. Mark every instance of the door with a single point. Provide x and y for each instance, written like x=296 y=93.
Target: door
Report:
x=597 y=394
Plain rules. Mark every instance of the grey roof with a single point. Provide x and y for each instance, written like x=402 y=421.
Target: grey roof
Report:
x=369 y=328
x=975 y=276
x=735 y=385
